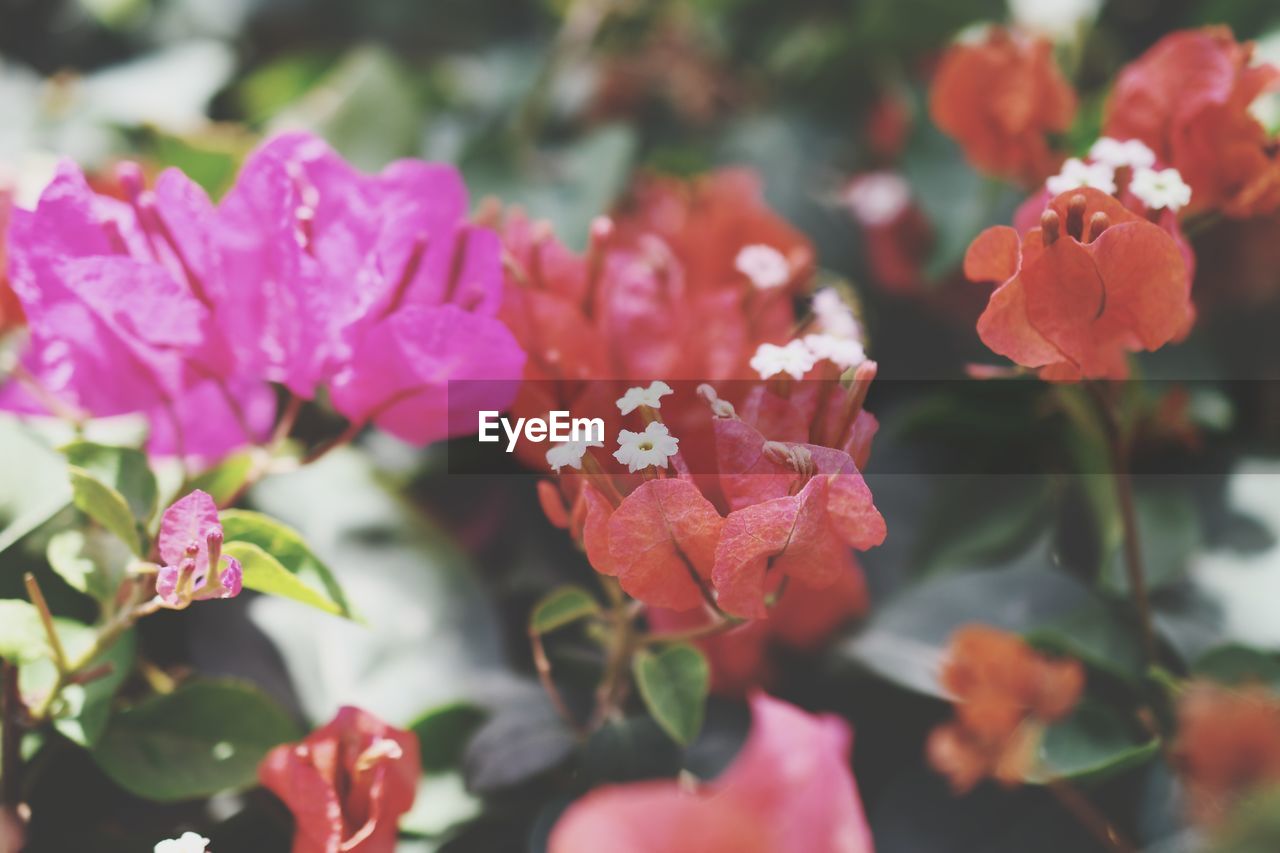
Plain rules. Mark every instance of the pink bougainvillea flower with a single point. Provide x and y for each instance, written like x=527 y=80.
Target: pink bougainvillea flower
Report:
x=347 y=783
x=119 y=313
x=190 y=545
x=1000 y=98
x=790 y=788
x=1188 y=98
x=1090 y=284
x=377 y=284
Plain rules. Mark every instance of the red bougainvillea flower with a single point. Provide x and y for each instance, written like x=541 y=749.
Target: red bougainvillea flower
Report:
x=1091 y=283
x=190 y=544
x=1000 y=97
x=120 y=318
x=790 y=788
x=375 y=284
x=1188 y=98
x=802 y=620
x=1004 y=694
x=1228 y=746
x=898 y=236
x=347 y=783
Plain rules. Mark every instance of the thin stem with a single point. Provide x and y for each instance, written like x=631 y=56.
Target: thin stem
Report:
x=720 y=626
x=12 y=714
x=287 y=420
x=1083 y=810
x=543 y=666
x=610 y=693
x=346 y=437
x=1119 y=446
x=46 y=618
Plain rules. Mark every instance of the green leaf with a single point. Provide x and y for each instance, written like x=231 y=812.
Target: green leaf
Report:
x=85 y=708
x=106 y=506
x=34 y=487
x=443 y=732
x=22 y=636
x=674 y=683
x=265 y=574
x=122 y=468
x=225 y=480
x=90 y=561
x=906 y=639
x=287 y=547
x=561 y=607
x=515 y=746
x=1169 y=532
x=1093 y=743
x=1099 y=635
x=1237 y=665
x=204 y=738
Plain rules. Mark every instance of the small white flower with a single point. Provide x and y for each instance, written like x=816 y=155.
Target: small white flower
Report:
x=843 y=352
x=1058 y=19
x=794 y=359
x=835 y=317
x=878 y=198
x=190 y=842
x=765 y=266
x=638 y=396
x=1163 y=188
x=1076 y=174
x=570 y=453
x=639 y=450
x=1116 y=154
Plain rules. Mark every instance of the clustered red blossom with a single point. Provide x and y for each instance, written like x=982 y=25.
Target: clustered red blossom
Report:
x=1004 y=694
x=1001 y=97
x=347 y=783
x=307 y=273
x=1228 y=746
x=789 y=788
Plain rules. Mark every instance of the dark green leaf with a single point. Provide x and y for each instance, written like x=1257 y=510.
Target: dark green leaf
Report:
x=561 y=607
x=204 y=738
x=106 y=506
x=1093 y=743
x=1100 y=635
x=906 y=638
x=1236 y=665
x=1169 y=531
x=629 y=750
x=674 y=683
x=515 y=747
x=288 y=548
x=443 y=733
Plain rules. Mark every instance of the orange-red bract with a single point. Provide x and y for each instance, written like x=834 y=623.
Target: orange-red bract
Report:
x=1000 y=98
x=347 y=783
x=790 y=788
x=1228 y=746
x=1075 y=295
x=1004 y=694
x=1188 y=99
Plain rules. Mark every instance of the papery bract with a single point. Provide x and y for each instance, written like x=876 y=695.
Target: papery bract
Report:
x=1092 y=283
x=790 y=788
x=999 y=98
x=347 y=783
x=1188 y=98
x=190 y=546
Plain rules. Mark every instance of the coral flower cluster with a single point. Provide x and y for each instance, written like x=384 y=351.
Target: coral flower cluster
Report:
x=1004 y=694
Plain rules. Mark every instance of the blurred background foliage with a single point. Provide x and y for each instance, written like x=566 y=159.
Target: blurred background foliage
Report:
x=555 y=105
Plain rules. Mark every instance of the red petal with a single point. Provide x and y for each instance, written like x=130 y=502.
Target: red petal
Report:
x=1064 y=296
x=662 y=543
x=1148 y=291
x=993 y=255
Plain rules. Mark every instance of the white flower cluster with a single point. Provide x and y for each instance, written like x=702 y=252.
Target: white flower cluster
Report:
x=764 y=266
x=839 y=340
x=637 y=450
x=189 y=842
x=1158 y=189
